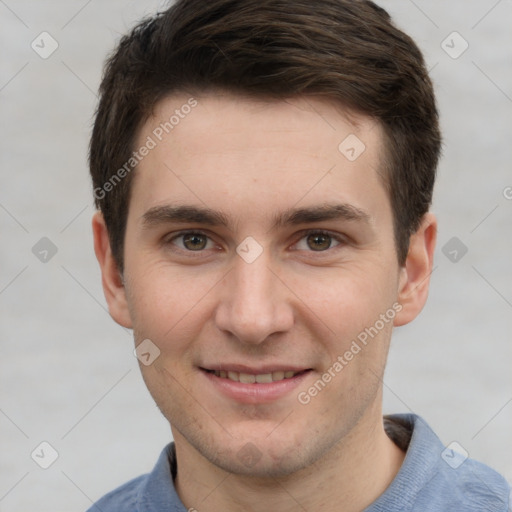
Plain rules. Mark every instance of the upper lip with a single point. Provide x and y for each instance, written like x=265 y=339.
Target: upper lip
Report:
x=251 y=370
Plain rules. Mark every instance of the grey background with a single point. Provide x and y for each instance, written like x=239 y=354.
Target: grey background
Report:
x=68 y=374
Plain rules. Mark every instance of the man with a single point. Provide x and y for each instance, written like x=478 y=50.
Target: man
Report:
x=263 y=173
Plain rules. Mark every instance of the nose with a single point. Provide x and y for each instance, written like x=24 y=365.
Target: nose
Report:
x=254 y=302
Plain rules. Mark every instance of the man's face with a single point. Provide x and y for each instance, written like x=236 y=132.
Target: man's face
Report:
x=303 y=264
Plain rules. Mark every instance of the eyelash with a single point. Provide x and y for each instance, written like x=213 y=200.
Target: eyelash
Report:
x=304 y=234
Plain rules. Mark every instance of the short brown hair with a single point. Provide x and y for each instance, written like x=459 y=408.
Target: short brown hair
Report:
x=345 y=50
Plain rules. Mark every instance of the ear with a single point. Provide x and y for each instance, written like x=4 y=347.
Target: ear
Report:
x=414 y=278
x=111 y=279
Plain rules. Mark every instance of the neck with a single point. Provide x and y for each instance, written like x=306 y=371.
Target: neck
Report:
x=349 y=477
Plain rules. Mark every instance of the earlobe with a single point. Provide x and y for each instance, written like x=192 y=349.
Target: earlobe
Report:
x=415 y=274
x=111 y=279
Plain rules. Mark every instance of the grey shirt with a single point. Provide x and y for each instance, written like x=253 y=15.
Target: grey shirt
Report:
x=433 y=478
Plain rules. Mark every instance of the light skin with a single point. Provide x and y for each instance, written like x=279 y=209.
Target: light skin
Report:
x=299 y=304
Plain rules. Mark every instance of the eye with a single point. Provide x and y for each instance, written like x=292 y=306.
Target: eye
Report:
x=318 y=241
x=191 y=241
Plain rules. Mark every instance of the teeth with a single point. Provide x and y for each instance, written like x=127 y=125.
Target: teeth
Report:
x=247 y=378
x=262 y=379
x=279 y=375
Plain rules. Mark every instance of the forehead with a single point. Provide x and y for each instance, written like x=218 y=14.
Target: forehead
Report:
x=215 y=148
x=246 y=120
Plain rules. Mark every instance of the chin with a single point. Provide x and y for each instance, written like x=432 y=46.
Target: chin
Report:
x=259 y=461
x=258 y=454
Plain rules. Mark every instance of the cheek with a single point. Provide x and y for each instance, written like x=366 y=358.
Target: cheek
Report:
x=165 y=301
x=348 y=299
x=350 y=304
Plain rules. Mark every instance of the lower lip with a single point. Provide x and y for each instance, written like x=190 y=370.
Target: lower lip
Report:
x=255 y=393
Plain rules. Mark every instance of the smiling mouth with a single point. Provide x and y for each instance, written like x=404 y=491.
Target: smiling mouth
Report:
x=262 y=378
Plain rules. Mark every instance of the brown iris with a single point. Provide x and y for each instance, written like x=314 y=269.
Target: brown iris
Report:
x=319 y=241
x=194 y=241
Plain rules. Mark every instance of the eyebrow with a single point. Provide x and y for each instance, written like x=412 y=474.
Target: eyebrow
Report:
x=339 y=211
x=202 y=215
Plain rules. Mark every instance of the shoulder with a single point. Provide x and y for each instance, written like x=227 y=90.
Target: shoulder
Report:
x=152 y=491
x=123 y=498
x=472 y=484
x=436 y=478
